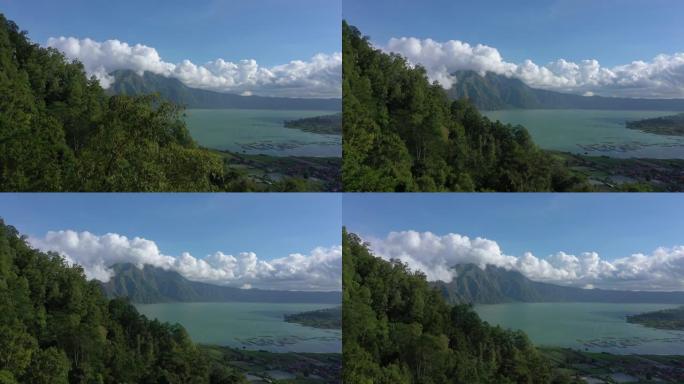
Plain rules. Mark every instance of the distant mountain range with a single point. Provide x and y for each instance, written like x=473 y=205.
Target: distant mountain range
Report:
x=128 y=82
x=498 y=285
x=492 y=92
x=156 y=285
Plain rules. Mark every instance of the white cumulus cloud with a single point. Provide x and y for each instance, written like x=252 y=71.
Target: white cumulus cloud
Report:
x=661 y=77
x=320 y=76
x=663 y=269
x=320 y=269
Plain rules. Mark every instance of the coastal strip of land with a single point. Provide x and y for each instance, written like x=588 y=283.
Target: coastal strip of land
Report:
x=672 y=125
x=327 y=124
x=669 y=319
x=328 y=318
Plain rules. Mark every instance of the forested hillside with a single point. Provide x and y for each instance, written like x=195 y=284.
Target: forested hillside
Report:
x=493 y=91
x=155 y=285
x=402 y=133
x=127 y=82
x=396 y=329
x=491 y=285
x=56 y=327
x=60 y=131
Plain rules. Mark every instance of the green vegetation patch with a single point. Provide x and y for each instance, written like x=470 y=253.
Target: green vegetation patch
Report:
x=57 y=327
x=402 y=133
x=60 y=131
x=667 y=125
x=664 y=319
x=328 y=318
x=328 y=124
x=398 y=329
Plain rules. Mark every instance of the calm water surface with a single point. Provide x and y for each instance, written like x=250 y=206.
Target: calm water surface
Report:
x=247 y=325
x=260 y=131
x=593 y=132
x=593 y=326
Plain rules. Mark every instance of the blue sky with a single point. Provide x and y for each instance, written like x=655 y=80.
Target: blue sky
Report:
x=612 y=31
x=610 y=241
x=271 y=225
x=270 y=31
x=287 y=48
x=614 y=225
x=613 y=48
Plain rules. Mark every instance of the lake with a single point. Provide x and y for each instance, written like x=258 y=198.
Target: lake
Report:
x=597 y=327
x=253 y=131
x=593 y=132
x=248 y=325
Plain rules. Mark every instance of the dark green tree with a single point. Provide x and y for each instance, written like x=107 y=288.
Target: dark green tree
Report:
x=402 y=133
x=57 y=327
x=59 y=131
x=397 y=329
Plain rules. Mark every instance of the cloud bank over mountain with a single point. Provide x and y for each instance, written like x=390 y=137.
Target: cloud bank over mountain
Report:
x=662 y=269
x=660 y=77
x=320 y=76
x=319 y=270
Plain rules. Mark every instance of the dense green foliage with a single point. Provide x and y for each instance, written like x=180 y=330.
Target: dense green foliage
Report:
x=672 y=318
x=156 y=285
x=402 y=133
x=492 y=91
x=328 y=318
x=60 y=131
x=57 y=327
x=328 y=124
x=472 y=284
x=396 y=329
x=128 y=82
x=666 y=125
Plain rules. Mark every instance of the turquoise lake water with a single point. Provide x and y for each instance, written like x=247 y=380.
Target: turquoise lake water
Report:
x=260 y=131
x=594 y=132
x=595 y=327
x=248 y=325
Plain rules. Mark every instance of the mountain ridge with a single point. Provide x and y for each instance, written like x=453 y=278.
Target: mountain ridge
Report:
x=128 y=82
x=494 y=285
x=493 y=92
x=151 y=284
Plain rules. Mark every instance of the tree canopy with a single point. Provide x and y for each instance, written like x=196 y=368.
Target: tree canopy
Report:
x=397 y=329
x=60 y=131
x=402 y=133
x=57 y=327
